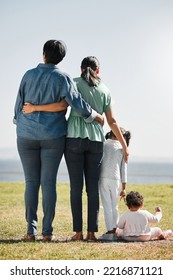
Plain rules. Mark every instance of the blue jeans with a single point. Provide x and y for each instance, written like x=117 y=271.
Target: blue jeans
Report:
x=83 y=158
x=40 y=160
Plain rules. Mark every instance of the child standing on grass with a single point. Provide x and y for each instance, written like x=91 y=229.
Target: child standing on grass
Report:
x=113 y=171
x=134 y=224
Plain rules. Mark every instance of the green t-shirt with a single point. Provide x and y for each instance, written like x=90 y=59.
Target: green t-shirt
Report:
x=100 y=100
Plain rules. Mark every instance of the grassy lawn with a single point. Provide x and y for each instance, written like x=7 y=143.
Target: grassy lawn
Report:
x=13 y=226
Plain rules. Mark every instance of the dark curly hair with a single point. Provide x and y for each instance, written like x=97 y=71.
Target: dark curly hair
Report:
x=126 y=134
x=134 y=199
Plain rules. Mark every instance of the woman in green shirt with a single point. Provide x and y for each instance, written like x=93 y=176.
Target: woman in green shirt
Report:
x=84 y=147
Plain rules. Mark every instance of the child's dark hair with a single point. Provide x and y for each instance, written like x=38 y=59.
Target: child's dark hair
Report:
x=109 y=135
x=126 y=134
x=54 y=51
x=89 y=65
x=134 y=199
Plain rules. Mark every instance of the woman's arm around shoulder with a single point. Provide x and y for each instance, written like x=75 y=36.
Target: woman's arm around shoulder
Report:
x=53 y=107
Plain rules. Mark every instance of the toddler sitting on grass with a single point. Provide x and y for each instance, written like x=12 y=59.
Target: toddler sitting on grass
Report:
x=133 y=225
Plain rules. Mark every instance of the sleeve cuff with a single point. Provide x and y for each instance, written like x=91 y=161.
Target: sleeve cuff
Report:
x=91 y=117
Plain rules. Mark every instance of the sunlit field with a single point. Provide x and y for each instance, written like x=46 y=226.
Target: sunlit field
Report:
x=13 y=227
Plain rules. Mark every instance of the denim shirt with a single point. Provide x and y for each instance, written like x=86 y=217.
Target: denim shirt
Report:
x=43 y=85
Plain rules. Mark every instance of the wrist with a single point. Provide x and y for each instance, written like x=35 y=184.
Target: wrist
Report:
x=91 y=117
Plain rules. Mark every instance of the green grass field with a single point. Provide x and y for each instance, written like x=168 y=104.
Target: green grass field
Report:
x=13 y=226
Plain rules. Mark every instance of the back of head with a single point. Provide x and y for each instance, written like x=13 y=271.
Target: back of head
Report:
x=134 y=199
x=126 y=134
x=110 y=135
x=54 y=51
x=89 y=67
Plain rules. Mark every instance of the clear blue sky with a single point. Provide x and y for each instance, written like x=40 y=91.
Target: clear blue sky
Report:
x=133 y=40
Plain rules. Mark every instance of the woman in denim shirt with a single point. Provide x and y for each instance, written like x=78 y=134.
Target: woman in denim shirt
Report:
x=84 y=147
x=41 y=135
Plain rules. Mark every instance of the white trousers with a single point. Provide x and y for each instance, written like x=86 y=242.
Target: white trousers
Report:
x=109 y=192
x=154 y=233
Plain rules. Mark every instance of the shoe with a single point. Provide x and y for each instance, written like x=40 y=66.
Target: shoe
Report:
x=108 y=237
x=91 y=237
x=48 y=238
x=28 y=237
x=77 y=237
x=110 y=231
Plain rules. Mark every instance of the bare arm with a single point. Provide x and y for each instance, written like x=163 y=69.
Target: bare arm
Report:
x=116 y=130
x=123 y=191
x=53 y=107
x=100 y=119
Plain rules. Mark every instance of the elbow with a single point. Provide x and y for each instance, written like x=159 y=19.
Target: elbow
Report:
x=111 y=122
